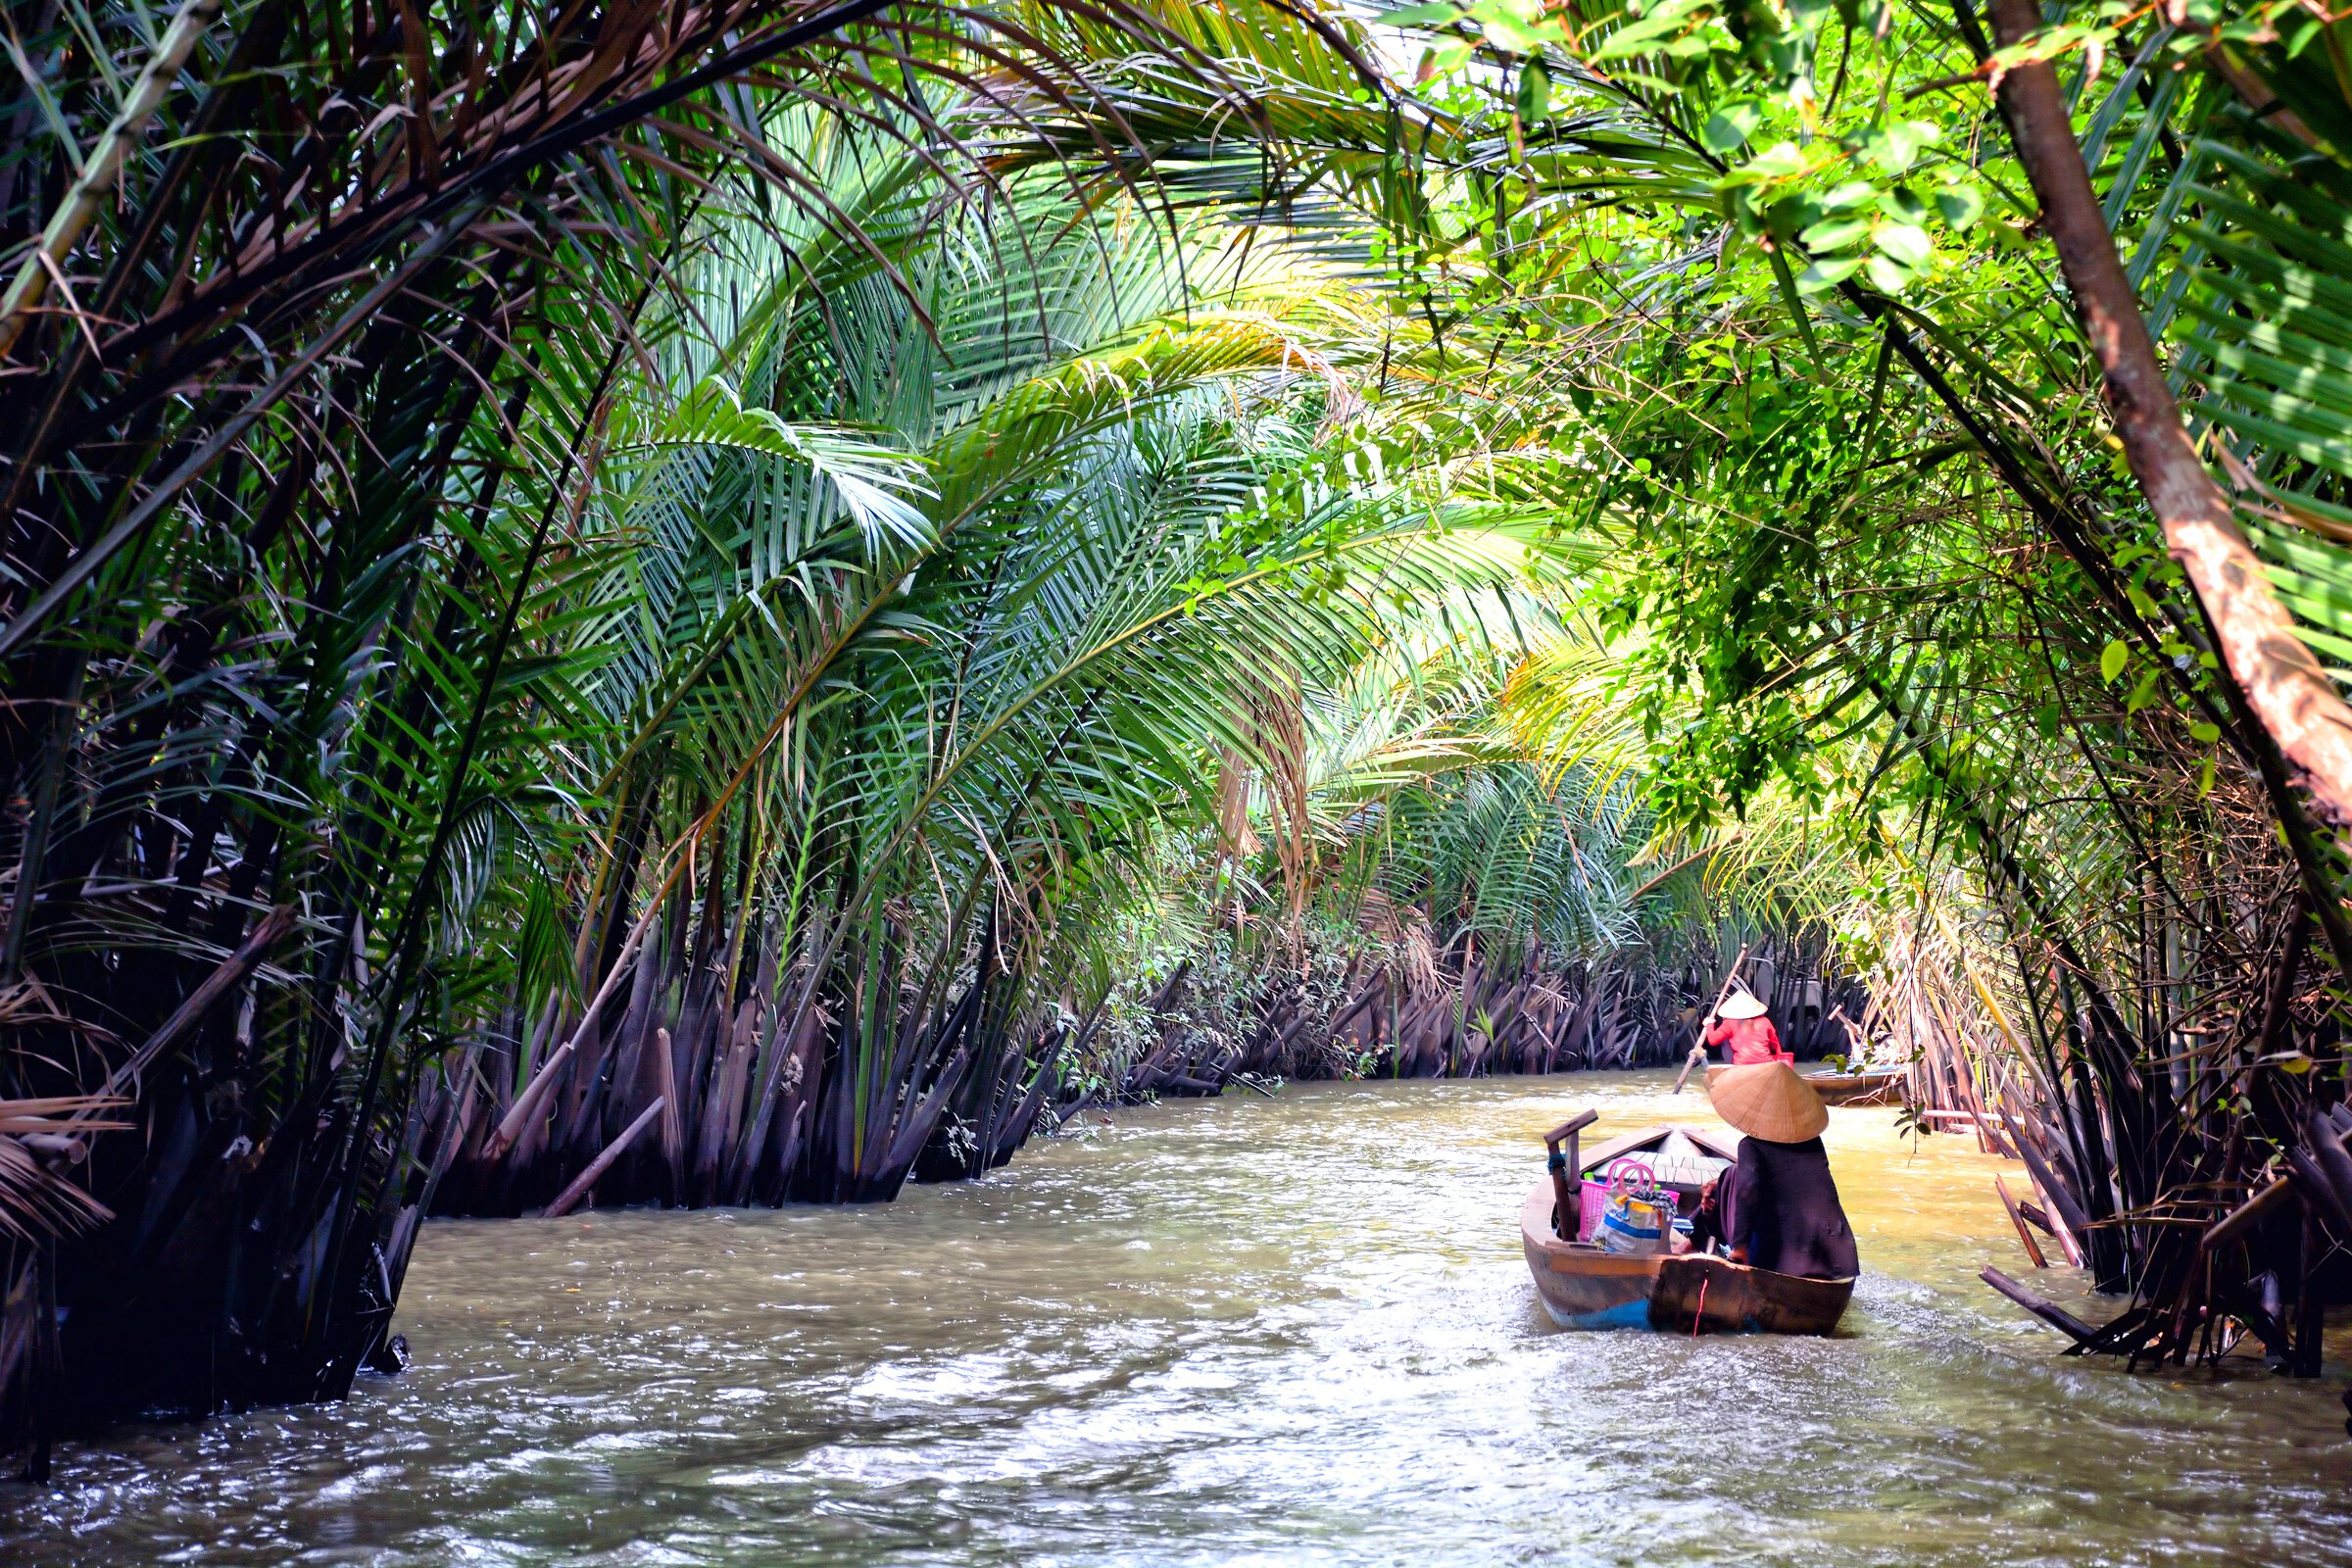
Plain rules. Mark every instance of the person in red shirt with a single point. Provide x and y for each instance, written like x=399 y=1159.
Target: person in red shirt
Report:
x=1747 y=1035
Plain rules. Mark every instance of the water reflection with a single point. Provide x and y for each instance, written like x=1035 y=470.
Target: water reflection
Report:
x=1248 y=1331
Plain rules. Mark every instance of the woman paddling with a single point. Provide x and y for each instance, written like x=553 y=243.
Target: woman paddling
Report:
x=1777 y=1207
x=1744 y=1032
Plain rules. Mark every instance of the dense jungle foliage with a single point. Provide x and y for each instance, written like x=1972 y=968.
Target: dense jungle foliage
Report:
x=734 y=602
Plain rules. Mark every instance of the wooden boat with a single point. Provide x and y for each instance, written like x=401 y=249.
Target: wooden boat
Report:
x=1837 y=1087
x=1583 y=1286
x=1856 y=1088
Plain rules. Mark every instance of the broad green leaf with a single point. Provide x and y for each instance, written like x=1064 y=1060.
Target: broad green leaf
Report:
x=1535 y=92
x=1907 y=243
x=1895 y=146
x=1827 y=273
x=1780 y=160
x=1960 y=205
x=1510 y=32
x=1853 y=194
x=1836 y=234
x=1728 y=129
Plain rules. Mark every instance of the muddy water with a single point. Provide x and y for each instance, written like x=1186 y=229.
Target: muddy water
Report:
x=1292 y=1331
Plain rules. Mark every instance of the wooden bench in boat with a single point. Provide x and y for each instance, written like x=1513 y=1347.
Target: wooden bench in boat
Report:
x=1680 y=1156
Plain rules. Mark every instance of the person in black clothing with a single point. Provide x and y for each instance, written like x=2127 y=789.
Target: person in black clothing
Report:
x=1777 y=1207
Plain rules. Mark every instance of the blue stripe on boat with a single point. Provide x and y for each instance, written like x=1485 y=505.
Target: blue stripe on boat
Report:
x=1632 y=1314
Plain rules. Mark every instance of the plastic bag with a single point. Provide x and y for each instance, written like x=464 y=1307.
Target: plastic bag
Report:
x=1637 y=1215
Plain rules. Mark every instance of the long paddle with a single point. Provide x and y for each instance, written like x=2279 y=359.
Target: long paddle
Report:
x=1698 y=1050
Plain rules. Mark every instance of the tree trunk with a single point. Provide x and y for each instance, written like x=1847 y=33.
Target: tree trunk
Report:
x=2282 y=680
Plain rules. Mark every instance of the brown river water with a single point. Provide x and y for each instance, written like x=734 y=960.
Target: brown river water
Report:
x=1248 y=1331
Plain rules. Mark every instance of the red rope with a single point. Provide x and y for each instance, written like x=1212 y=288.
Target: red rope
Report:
x=1698 y=1321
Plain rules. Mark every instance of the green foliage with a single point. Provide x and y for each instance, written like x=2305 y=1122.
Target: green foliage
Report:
x=977 y=513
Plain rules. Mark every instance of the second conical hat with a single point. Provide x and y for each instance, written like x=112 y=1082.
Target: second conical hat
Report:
x=1769 y=1100
x=1741 y=1004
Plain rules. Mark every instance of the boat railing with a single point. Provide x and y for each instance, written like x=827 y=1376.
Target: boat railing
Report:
x=1564 y=1202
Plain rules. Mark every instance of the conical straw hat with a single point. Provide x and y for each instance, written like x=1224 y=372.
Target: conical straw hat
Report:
x=1769 y=1100
x=1741 y=1004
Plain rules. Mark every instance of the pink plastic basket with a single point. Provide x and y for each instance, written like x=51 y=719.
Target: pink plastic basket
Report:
x=1591 y=1199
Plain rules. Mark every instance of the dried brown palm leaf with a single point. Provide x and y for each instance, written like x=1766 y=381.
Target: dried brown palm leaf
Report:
x=38 y=1142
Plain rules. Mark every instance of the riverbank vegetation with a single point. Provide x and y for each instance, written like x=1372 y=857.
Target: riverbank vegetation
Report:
x=738 y=603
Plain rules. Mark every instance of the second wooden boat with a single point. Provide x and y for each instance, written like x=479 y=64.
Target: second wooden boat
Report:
x=1837 y=1087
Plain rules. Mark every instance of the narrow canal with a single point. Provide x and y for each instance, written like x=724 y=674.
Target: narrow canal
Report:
x=1254 y=1331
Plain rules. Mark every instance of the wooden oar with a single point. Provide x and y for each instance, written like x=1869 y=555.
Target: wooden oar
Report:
x=1698 y=1050
x=1699 y=1053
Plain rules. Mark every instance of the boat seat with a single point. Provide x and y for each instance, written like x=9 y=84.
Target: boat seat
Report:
x=1677 y=1161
